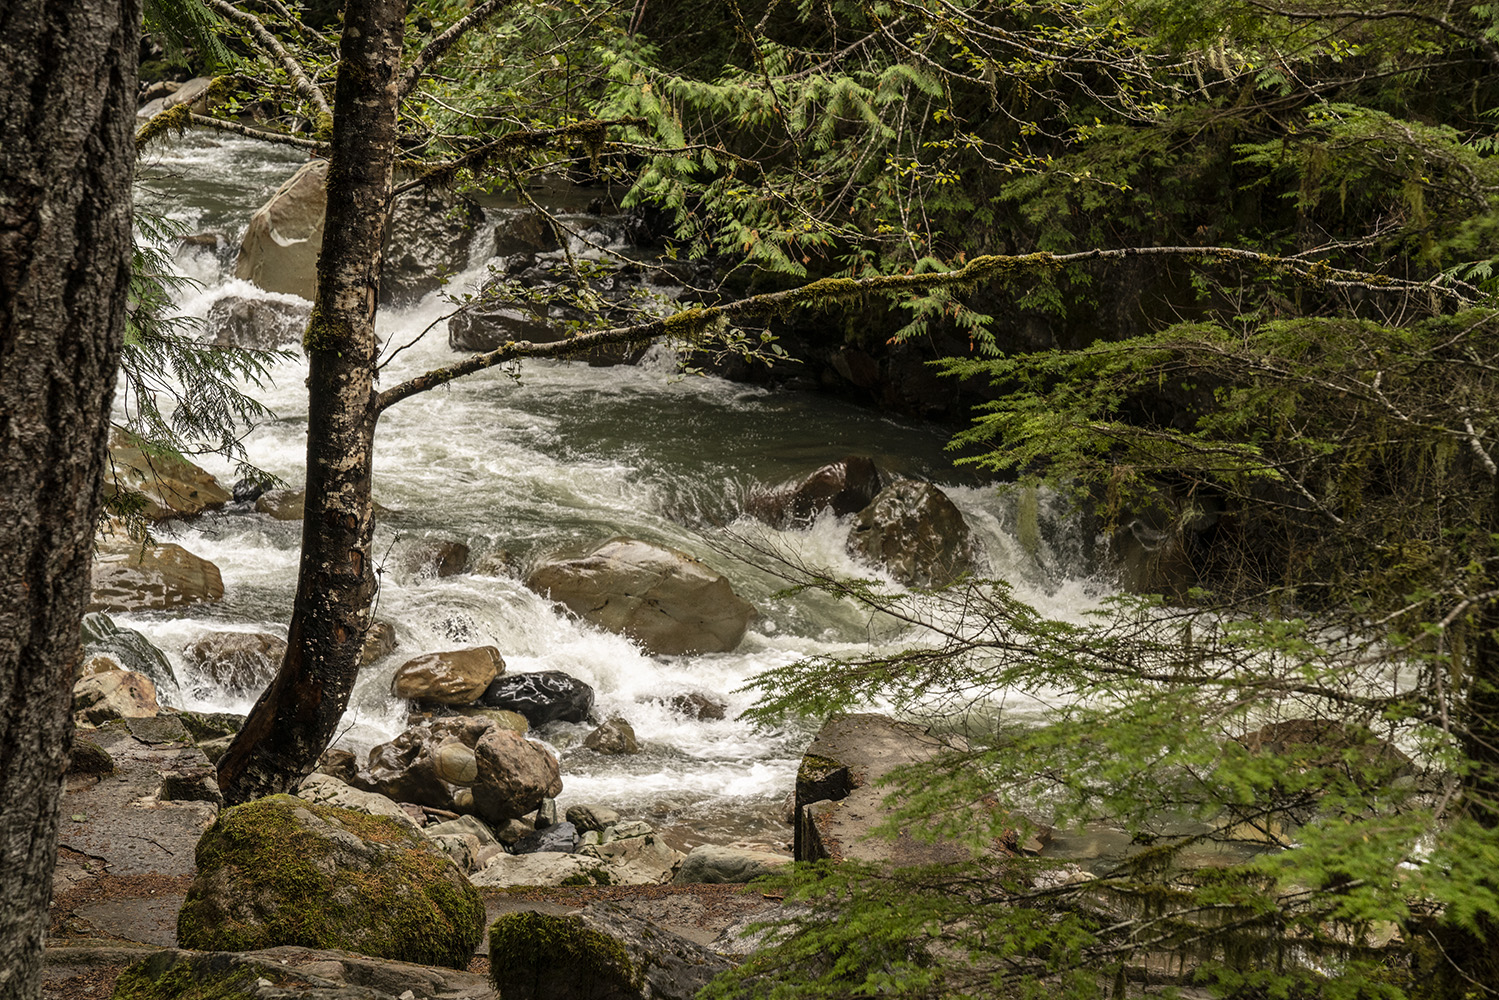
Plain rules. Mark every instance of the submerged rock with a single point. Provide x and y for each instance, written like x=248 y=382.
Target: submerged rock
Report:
x=915 y=533
x=283 y=871
x=843 y=487
x=664 y=599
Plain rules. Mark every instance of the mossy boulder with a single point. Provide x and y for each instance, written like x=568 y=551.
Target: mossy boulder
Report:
x=599 y=953
x=283 y=871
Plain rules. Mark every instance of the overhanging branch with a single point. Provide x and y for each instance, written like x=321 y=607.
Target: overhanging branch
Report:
x=689 y=324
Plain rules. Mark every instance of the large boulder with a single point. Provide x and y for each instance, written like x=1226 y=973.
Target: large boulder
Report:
x=106 y=646
x=168 y=485
x=325 y=789
x=843 y=487
x=430 y=233
x=237 y=663
x=282 y=871
x=715 y=864
x=130 y=577
x=915 y=533
x=422 y=764
x=454 y=677
x=664 y=599
x=261 y=324
x=541 y=696
x=515 y=774
x=600 y=953
x=839 y=799
x=280 y=249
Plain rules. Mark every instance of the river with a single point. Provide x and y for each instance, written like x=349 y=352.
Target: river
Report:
x=567 y=454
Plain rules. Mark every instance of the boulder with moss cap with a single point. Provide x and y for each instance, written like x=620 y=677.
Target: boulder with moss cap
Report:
x=282 y=871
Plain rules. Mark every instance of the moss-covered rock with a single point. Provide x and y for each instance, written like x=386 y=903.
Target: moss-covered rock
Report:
x=283 y=871
x=598 y=954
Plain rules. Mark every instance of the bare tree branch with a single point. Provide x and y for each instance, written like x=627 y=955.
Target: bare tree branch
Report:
x=272 y=47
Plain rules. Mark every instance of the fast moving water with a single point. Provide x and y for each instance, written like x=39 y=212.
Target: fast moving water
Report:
x=565 y=455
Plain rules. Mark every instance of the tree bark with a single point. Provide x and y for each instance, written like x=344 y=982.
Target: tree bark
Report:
x=298 y=715
x=67 y=113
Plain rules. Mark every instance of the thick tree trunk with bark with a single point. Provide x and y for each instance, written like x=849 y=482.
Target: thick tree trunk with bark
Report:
x=298 y=715
x=67 y=110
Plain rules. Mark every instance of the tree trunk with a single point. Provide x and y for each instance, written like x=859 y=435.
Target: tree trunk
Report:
x=298 y=715
x=67 y=109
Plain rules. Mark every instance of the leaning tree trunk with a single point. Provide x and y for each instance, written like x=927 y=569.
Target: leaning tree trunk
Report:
x=297 y=716
x=67 y=109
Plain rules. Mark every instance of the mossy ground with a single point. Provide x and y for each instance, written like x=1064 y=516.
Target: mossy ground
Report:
x=265 y=879
x=527 y=950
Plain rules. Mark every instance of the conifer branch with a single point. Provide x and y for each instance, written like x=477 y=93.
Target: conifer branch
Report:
x=439 y=46
x=271 y=46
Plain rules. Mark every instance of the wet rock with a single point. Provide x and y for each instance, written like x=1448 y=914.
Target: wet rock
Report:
x=607 y=953
x=714 y=864
x=524 y=233
x=430 y=558
x=843 y=487
x=504 y=718
x=913 y=532
x=697 y=706
x=429 y=238
x=616 y=736
x=284 y=871
x=664 y=599
x=338 y=763
x=113 y=694
x=559 y=838
x=106 y=646
x=417 y=767
x=379 y=641
x=259 y=324
x=283 y=505
x=129 y=578
x=541 y=696
x=236 y=663
x=248 y=490
x=455 y=677
x=281 y=245
x=169 y=486
x=515 y=775
x=591 y=818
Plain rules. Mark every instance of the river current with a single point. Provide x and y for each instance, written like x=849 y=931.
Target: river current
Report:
x=562 y=455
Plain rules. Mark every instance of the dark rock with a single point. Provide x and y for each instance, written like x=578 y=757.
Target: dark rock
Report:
x=516 y=776
x=379 y=641
x=844 y=487
x=524 y=233
x=192 y=779
x=427 y=558
x=666 y=600
x=429 y=237
x=913 y=531
x=340 y=764
x=616 y=736
x=284 y=871
x=88 y=757
x=210 y=725
x=591 y=818
x=542 y=696
x=249 y=490
x=607 y=955
x=126 y=649
x=559 y=837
